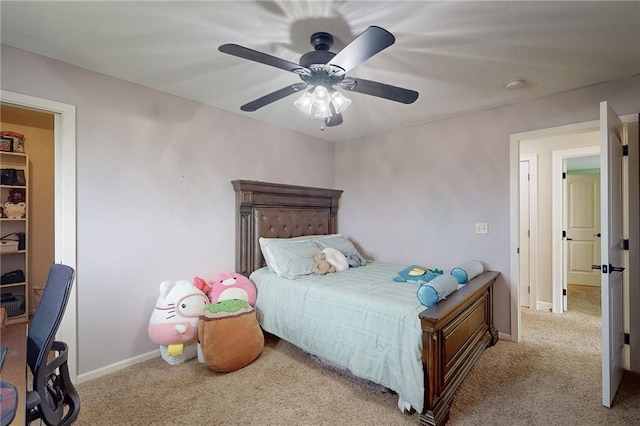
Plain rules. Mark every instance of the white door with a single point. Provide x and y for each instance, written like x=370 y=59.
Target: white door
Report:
x=565 y=239
x=525 y=252
x=611 y=259
x=583 y=228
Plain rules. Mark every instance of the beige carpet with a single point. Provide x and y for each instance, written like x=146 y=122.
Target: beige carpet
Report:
x=551 y=378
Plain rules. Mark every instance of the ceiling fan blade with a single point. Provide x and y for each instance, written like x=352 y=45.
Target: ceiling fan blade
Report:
x=382 y=90
x=263 y=58
x=273 y=96
x=372 y=40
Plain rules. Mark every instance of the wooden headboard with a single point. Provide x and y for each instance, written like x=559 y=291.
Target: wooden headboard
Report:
x=279 y=211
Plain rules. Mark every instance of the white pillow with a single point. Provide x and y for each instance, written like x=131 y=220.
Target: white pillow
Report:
x=336 y=258
x=289 y=257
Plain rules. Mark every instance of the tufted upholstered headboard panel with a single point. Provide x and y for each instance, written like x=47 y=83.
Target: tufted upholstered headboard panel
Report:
x=279 y=211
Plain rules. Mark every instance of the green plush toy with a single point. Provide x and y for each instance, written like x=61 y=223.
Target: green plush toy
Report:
x=229 y=306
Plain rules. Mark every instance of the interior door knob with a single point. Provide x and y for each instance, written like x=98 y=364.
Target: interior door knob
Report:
x=615 y=268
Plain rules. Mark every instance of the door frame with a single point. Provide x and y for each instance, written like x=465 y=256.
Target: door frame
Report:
x=514 y=211
x=558 y=249
x=633 y=271
x=65 y=250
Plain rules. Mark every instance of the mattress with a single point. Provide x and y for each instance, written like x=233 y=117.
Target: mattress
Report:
x=359 y=319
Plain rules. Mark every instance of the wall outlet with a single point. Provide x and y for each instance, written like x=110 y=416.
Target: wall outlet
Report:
x=482 y=228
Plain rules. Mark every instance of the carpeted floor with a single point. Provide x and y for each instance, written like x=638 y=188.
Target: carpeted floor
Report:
x=551 y=378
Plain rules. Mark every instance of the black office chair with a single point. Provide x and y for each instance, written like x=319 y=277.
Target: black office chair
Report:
x=53 y=399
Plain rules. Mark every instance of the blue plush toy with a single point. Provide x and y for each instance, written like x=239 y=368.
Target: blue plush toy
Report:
x=417 y=274
x=438 y=289
x=353 y=258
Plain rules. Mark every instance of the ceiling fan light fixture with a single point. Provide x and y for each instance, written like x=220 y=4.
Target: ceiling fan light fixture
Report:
x=320 y=96
x=305 y=103
x=317 y=102
x=323 y=110
x=340 y=102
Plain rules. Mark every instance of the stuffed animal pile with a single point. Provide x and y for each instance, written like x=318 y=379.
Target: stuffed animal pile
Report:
x=331 y=260
x=214 y=321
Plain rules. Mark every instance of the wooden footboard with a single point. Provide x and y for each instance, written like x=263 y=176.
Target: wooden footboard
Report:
x=454 y=334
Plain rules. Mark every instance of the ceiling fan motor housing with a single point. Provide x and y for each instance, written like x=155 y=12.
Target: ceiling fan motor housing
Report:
x=317 y=59
x=321 y=43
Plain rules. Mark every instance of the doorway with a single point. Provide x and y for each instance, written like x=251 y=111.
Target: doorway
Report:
x=37 y=129
x=546 y=300
x=64 y=203
x=588 y=146
x=581 y=207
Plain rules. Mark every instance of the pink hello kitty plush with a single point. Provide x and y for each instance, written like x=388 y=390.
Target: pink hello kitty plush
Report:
x=174 y=320
x=231 y=285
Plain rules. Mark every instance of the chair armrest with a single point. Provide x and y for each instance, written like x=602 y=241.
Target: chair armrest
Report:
x=63 y=353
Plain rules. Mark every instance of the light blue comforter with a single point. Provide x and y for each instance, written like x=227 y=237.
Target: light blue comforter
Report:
x=359 y=319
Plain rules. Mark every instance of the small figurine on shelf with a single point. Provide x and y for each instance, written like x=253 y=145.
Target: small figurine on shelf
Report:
x=18 y=146
x=16 y=140
x=15 y=207
x=17 y=195
x=15 y=210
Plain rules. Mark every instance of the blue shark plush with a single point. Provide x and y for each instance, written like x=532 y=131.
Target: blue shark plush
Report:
x=417 y=274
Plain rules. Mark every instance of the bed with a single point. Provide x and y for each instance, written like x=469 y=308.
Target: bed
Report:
x=450 y=335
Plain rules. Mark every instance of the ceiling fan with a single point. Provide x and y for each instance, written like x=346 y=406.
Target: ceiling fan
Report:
x=322 y=71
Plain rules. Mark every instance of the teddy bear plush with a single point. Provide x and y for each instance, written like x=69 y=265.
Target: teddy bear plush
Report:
x=16 y=195
x=14 y=211
x=322 y=266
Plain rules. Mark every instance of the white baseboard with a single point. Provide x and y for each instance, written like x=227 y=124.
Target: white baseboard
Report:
x=544 y=306
x=117 y=366
x=504 y=336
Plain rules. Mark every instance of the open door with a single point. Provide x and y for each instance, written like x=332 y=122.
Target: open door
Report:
x=565 y=237
x=525 y=248
x=611 y=217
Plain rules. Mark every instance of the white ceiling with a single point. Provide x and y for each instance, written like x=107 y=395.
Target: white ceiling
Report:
x=457 y=55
